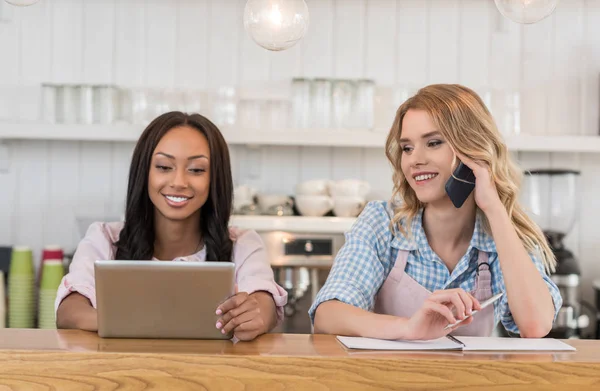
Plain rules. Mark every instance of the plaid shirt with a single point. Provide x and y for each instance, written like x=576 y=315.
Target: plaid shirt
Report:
x=370 y=251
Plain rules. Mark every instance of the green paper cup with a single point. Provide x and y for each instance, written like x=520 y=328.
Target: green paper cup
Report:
x=52 y=275
x=21 y=262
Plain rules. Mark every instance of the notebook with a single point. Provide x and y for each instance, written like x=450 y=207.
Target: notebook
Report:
x=459 y=343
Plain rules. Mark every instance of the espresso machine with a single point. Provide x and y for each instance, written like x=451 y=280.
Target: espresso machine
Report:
x=551 y=199
x=301 y=262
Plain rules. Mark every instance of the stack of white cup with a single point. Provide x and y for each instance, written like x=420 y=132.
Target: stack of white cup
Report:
x=318 y=197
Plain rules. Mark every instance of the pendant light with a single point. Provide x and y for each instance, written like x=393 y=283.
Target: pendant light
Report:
x=22 y=3
x=276 y=24
x=526 y=11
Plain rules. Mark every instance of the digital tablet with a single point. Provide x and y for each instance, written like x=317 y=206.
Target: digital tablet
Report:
x=161 y=299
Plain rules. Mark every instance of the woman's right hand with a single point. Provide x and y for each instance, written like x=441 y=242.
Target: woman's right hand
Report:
x=440 y=309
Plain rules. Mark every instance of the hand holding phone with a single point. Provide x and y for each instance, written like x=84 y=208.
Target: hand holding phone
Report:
x=460 y=185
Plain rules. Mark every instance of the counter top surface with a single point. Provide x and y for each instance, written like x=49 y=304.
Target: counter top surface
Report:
x=71 y=359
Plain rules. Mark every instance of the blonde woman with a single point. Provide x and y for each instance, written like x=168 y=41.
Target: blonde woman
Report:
x=407 y=271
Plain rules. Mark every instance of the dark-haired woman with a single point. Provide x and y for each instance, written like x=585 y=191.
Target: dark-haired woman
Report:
x=178 y=207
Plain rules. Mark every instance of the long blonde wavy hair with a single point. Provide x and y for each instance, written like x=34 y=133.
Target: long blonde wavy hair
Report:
x=467 y=125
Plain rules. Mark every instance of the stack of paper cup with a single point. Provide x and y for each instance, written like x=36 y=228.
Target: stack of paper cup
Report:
x=21 y=303
x=51 y=252
x=52 y=275
x=2 y=301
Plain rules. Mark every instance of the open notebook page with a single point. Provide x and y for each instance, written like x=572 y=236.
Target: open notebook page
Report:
x=471 y=344
x=381 y=344
x=513 y=344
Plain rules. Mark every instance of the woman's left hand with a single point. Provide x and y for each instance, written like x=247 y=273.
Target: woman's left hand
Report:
x=486 y=195
x=241 y=314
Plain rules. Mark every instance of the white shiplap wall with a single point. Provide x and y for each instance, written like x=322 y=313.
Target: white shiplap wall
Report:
x=202 y=44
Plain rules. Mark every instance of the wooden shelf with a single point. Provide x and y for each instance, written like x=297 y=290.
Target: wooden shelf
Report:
x=233 y=135
x=573 y=144
x=357 y=138
x=75 y=132
x=298 y=224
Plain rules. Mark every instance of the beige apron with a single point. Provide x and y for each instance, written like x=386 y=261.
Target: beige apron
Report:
x=400 y=295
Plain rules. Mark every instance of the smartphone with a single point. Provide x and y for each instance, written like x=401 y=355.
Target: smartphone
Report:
x=484 y=304
x=457 y=190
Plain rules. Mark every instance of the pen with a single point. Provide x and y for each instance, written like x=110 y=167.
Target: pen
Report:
x=455 y=340
x=486 y=303
x=452 y=325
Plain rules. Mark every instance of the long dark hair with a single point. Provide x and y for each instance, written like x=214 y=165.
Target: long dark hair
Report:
x=136 y=240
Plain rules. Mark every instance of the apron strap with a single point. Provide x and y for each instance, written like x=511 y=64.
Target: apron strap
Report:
x=483 y=281
x=401 y=260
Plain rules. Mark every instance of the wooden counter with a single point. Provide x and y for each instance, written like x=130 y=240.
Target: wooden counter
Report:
x=77 y=360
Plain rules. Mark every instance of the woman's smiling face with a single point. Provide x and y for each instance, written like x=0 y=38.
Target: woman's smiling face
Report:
x=426 y=156
x=179 y=176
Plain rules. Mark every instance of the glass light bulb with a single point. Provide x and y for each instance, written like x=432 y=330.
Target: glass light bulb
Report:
x=276 y=24
x=526 y=11
x=22 y=3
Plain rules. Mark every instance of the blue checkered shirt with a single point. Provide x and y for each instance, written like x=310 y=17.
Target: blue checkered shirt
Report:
x=370 y=251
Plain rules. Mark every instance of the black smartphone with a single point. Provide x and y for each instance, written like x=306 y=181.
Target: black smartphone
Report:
x=457 y=190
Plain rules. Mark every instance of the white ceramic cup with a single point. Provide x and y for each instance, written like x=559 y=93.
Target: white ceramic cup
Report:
x=313 y=205
x=350 y=187
x=268 y=201
x=243 y=196
x=313 y=187
x=348 y=206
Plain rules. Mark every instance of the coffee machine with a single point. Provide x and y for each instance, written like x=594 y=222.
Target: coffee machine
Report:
x=551 y=200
